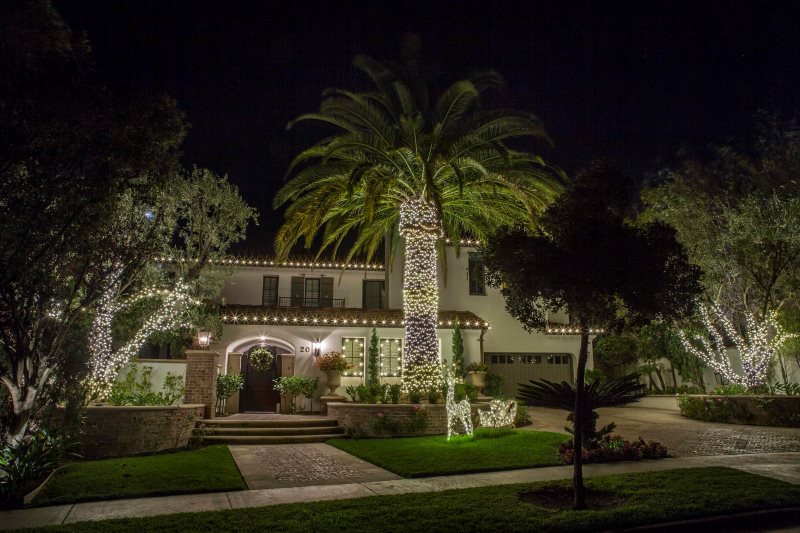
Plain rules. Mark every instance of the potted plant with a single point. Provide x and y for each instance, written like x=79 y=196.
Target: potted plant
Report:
x=476 y=373
x=333 y=364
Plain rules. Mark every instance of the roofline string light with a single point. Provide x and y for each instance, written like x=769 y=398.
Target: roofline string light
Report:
x=338 y=320
x=572 y=331
x=272 y=262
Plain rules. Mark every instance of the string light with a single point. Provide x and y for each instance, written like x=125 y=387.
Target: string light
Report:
x=421 y=230
x=351 y=354
x=764 y=338
x=350 y=318
x=457 y=413
x=501 y=414
x=571 y=331
x=395 y=353
x=272 y=262
x=465 y=242
x=105 y=362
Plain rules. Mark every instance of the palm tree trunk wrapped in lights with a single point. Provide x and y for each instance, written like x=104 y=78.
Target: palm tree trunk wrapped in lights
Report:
x=421 y=231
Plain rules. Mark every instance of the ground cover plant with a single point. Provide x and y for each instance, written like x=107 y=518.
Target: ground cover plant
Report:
x=434 y=455
x=633 y=499
x=208 y=469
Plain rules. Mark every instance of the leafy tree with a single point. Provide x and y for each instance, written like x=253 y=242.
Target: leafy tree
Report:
x=373 y=363
x=614 y=350
x=589 y=261
x=458 y=350
x=68 y=151
x=401 y=164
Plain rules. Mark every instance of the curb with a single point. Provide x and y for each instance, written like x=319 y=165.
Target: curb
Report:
x=749 y=521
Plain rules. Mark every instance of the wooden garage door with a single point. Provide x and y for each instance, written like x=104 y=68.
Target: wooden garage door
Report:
x=523 y=367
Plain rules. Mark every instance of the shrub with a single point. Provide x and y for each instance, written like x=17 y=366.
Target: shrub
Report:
x=789 y=389
x=351 y=391
x=712 y=409
x=494 y=384
x=731 y=389
x=522 y=419
x=478 y=367
x=433 y=395
x=612 y=447
x=414 y=396
x=394 y=392
x=28 y=461
x=465 y=391
x=332 y=361
x=595 y=375
x=293 y=386
x=229 y=384
x=140 y=392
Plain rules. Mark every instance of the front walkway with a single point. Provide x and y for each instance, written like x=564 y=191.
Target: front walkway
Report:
x=784 y=466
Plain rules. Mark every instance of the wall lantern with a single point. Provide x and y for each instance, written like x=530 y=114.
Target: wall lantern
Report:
x=317 y=345
x=203 y=338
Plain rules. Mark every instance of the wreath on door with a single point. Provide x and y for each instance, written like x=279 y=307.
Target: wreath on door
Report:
x=261 y=358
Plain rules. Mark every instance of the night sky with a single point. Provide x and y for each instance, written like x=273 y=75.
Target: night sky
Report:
x=634 y=82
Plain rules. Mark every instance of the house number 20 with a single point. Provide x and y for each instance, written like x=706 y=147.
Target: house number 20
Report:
x=305 y=349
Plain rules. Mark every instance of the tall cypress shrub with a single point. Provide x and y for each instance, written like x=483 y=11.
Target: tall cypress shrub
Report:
x=458 y=350
x=373 y=363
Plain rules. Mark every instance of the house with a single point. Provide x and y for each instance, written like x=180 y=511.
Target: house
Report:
x=303 y=308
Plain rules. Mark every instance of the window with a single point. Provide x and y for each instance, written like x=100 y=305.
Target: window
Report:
x=558 y=359
x=373 y=294
x=312 y=292
x=477 y=274
x=270 y=294
x=391 y=356
x=353 y=350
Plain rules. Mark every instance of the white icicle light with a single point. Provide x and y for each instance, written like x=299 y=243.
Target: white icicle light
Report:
x=764 y=338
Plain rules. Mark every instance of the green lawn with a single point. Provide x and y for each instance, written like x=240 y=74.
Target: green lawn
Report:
x=431 y=456
x=208 y=469
x=649 y=497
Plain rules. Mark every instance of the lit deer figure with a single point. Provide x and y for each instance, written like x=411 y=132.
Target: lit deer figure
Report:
x=456 y=412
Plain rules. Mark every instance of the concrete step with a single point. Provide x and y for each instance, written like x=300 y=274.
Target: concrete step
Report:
x=260 y=439
x=246 y=431
x=278 y=423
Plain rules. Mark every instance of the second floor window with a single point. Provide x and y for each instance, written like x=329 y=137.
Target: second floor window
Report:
x=270 y=294
x=477 y=274
x=373 y=294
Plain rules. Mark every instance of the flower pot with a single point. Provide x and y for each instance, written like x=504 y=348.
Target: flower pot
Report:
x=478 y=379
x=334 y=379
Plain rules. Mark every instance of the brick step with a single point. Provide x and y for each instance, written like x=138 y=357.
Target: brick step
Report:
x=260 y=439
x=243 y=431
x=286 y=423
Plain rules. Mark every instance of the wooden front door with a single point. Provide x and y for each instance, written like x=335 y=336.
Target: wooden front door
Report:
x=259 y=392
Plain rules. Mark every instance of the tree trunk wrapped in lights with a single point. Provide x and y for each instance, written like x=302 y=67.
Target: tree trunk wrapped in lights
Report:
x=764 y=338
x=421 y=230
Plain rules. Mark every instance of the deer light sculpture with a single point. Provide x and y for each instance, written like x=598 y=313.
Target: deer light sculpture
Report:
x=457 y=412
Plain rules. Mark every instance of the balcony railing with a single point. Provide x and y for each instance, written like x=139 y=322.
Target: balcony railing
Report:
x=288 y=301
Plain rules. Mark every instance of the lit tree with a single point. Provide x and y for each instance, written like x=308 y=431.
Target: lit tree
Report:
x=402 y=166
x=373 y=363
x=589 y=261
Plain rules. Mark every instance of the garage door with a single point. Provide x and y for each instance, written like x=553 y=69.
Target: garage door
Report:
x=522 y=367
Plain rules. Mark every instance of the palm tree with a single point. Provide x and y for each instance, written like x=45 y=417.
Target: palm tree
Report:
x=401 y=167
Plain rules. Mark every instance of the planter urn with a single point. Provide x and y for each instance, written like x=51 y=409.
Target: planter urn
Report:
x=478 y=379
x=334 y=380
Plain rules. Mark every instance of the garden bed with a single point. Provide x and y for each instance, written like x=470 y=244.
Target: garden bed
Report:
x=401 y=419
x=434 y=455
x=210 y=469
x=757 y=410
x=116 y=431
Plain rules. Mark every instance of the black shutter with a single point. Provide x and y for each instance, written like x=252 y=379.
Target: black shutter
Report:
x=298 y=289
x=326 y=292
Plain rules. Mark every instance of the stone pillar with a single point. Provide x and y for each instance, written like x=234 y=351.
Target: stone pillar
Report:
x=287 y=369
x=234 y=367
x=201 y=379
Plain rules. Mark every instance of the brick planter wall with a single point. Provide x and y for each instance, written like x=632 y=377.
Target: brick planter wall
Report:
x=757 y=410
x=359 y=416
x=111 y=431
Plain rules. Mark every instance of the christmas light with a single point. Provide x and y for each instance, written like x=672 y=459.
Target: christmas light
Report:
x=344 y=318
x=421 y=230
x=571 y=331
x=460 y=412
x=764 y=338
x=501 y=414
x=271 y=262
x=105 y=362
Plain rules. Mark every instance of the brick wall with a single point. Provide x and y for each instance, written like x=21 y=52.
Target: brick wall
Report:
x=359 y=416
x=111 y=431
x=201 y=379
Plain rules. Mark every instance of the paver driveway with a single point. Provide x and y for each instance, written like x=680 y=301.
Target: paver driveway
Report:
x=681 y=436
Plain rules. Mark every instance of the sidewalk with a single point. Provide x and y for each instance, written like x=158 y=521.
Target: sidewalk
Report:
x=783 y=466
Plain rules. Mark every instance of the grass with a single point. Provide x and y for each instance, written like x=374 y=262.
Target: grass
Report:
x=431 y=456
x=208 y=469
x=649 y=497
